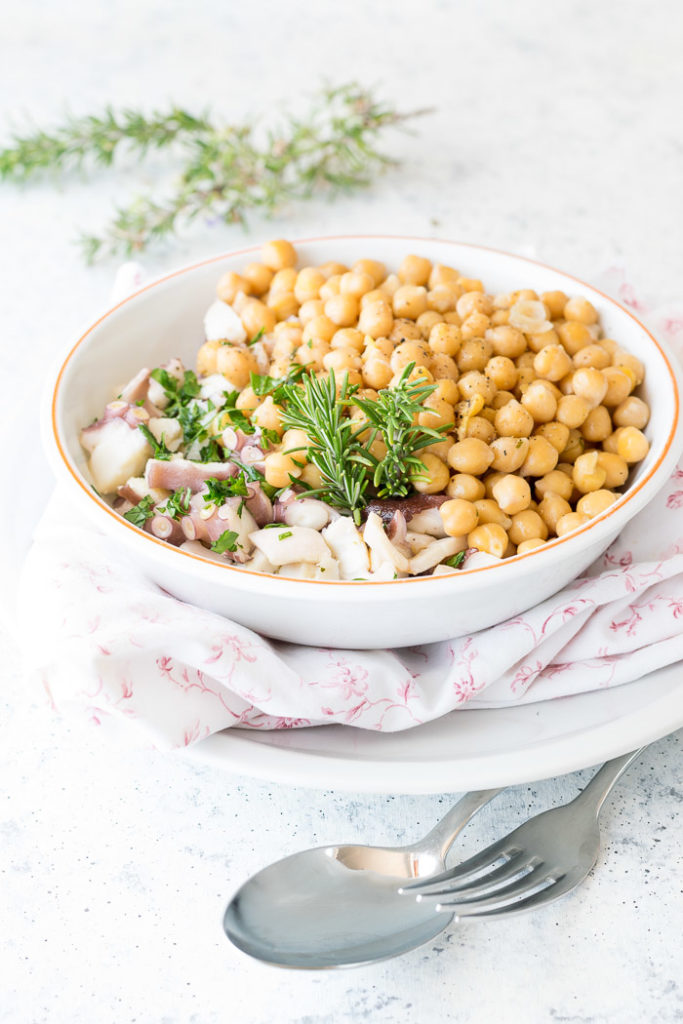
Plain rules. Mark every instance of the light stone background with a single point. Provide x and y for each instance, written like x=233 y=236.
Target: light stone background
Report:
x=557 y=132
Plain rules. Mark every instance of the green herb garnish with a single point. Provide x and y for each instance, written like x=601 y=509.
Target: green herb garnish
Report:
x=218 y=491
x=159 y=449
x=284 y=536
x=140 y=513
x=211 y=452
x=179 y=393
x=226 y=542
x=257 y=336
x=178 y=504
x=456 y=560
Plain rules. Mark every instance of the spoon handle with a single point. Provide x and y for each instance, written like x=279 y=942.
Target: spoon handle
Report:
x=445 y=832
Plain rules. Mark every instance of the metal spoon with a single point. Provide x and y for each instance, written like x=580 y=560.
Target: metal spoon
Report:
x=335 y=906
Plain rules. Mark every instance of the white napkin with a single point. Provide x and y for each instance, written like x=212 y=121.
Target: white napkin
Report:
x=115 y=648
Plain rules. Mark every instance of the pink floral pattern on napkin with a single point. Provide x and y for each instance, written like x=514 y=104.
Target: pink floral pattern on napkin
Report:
x=116 y=648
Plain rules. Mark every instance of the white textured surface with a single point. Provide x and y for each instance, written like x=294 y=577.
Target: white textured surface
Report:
x=558 y=133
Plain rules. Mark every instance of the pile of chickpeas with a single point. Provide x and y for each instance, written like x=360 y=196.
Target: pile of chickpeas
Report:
x=545 y=424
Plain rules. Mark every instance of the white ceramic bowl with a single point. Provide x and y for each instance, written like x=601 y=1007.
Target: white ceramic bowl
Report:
x=164 y=319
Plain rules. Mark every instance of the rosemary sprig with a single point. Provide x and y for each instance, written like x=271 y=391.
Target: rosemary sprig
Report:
x=343 y=463
x=226 y=172
x=392 y=418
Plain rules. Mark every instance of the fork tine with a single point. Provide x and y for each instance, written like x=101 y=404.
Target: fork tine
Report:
x=502 y=849
x=514 y=867
x=508 y=896
x=538 y=898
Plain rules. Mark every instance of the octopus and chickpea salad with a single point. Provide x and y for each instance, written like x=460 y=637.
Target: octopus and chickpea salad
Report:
x=348 y=422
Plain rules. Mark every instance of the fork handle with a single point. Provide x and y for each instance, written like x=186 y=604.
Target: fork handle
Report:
x=602 y=782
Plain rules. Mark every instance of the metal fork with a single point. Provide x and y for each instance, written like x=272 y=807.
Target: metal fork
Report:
x=535 y=864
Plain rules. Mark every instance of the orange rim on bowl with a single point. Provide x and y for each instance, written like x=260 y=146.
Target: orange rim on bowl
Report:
x=618 y=505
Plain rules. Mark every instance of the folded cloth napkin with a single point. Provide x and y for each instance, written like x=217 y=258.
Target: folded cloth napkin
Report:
x=116 y=648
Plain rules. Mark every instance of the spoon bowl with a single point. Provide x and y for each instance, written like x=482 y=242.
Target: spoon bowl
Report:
x=336 y=906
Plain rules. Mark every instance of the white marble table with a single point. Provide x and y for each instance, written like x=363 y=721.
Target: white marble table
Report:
x=556 y=132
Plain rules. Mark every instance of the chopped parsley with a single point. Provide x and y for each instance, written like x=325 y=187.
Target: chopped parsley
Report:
x=178 y=504
x=211 y=452
x=178 y=393
x=159 y=449
x=456 y=561
x=257 y=337
x=263 y=385
x=218 y=491
x=240 y=420
x=140 y=513
x=285 y=535
x=226 y=542
x=269 y=437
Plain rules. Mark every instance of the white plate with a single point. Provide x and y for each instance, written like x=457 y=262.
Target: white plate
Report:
x=465 y=750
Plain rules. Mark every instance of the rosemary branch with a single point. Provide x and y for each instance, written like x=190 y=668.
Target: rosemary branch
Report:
x=225 y=172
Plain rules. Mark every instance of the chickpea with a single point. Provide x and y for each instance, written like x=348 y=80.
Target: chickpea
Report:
x=433 y=478
x=489 y=537
x=389 y=285
x=501 y=398
x=320 y=328
x=341 y=359
x=375 y=295
x=552 y=362
x=572 y=410
x=448 y=390
x=438 y=413
x=427 y=320
x=348 y=337
x=616 y=468
x=247 y=400
x=514 y=420
x=595 y=502
x=508 y=453
x=475 y=326
x=481 y=428
x=409 y=301
x=474 y=354
x=575 y=447
x=342 y=310
x=284 y=281
x=541 y=458
x=312 y=353
x=452 y=318
x=474 y=302
x=308 y=283
x=278 y=254
x=331 y=287
x=405 y=330
x=459 y=517
x=610 y=443
x=626 y=361
x=256 y=316
x=444 y=368
x=279 y=468
x=297 y=442
x=470 y=456
x=632 y=412
x=378 y=347
x=442 y=274
x=525 y=360
x=632 y=444
x=502 y=371
x=592 y=355
x=574 y=336
x=554 y=301
x=236 y=365
x=555 y=432
x=581 y=310
x=529 y=545
x=206 y=358
x=312 y=476
x=230 y=284
x=418 y=374
x=572 y=521
x=356 y=284
x=377 y=373
x=552 y=508
x=540 y=402
x=373 y=268
x=310 y=310
x=527 y=525
x=415 y=270
x=283 y=304
x=465 y=486
x=597 y=425
x=512 y=493
x=590 y=384
x=259 y=276
x=506 y=341
x=409 y=352
x=610 y=346
x=442 y=299
x=476 y=383
x=556 y=482
x=620 y=384
x=268 y=416
x=499 y=317
x=588 y=474
x=376 y=319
